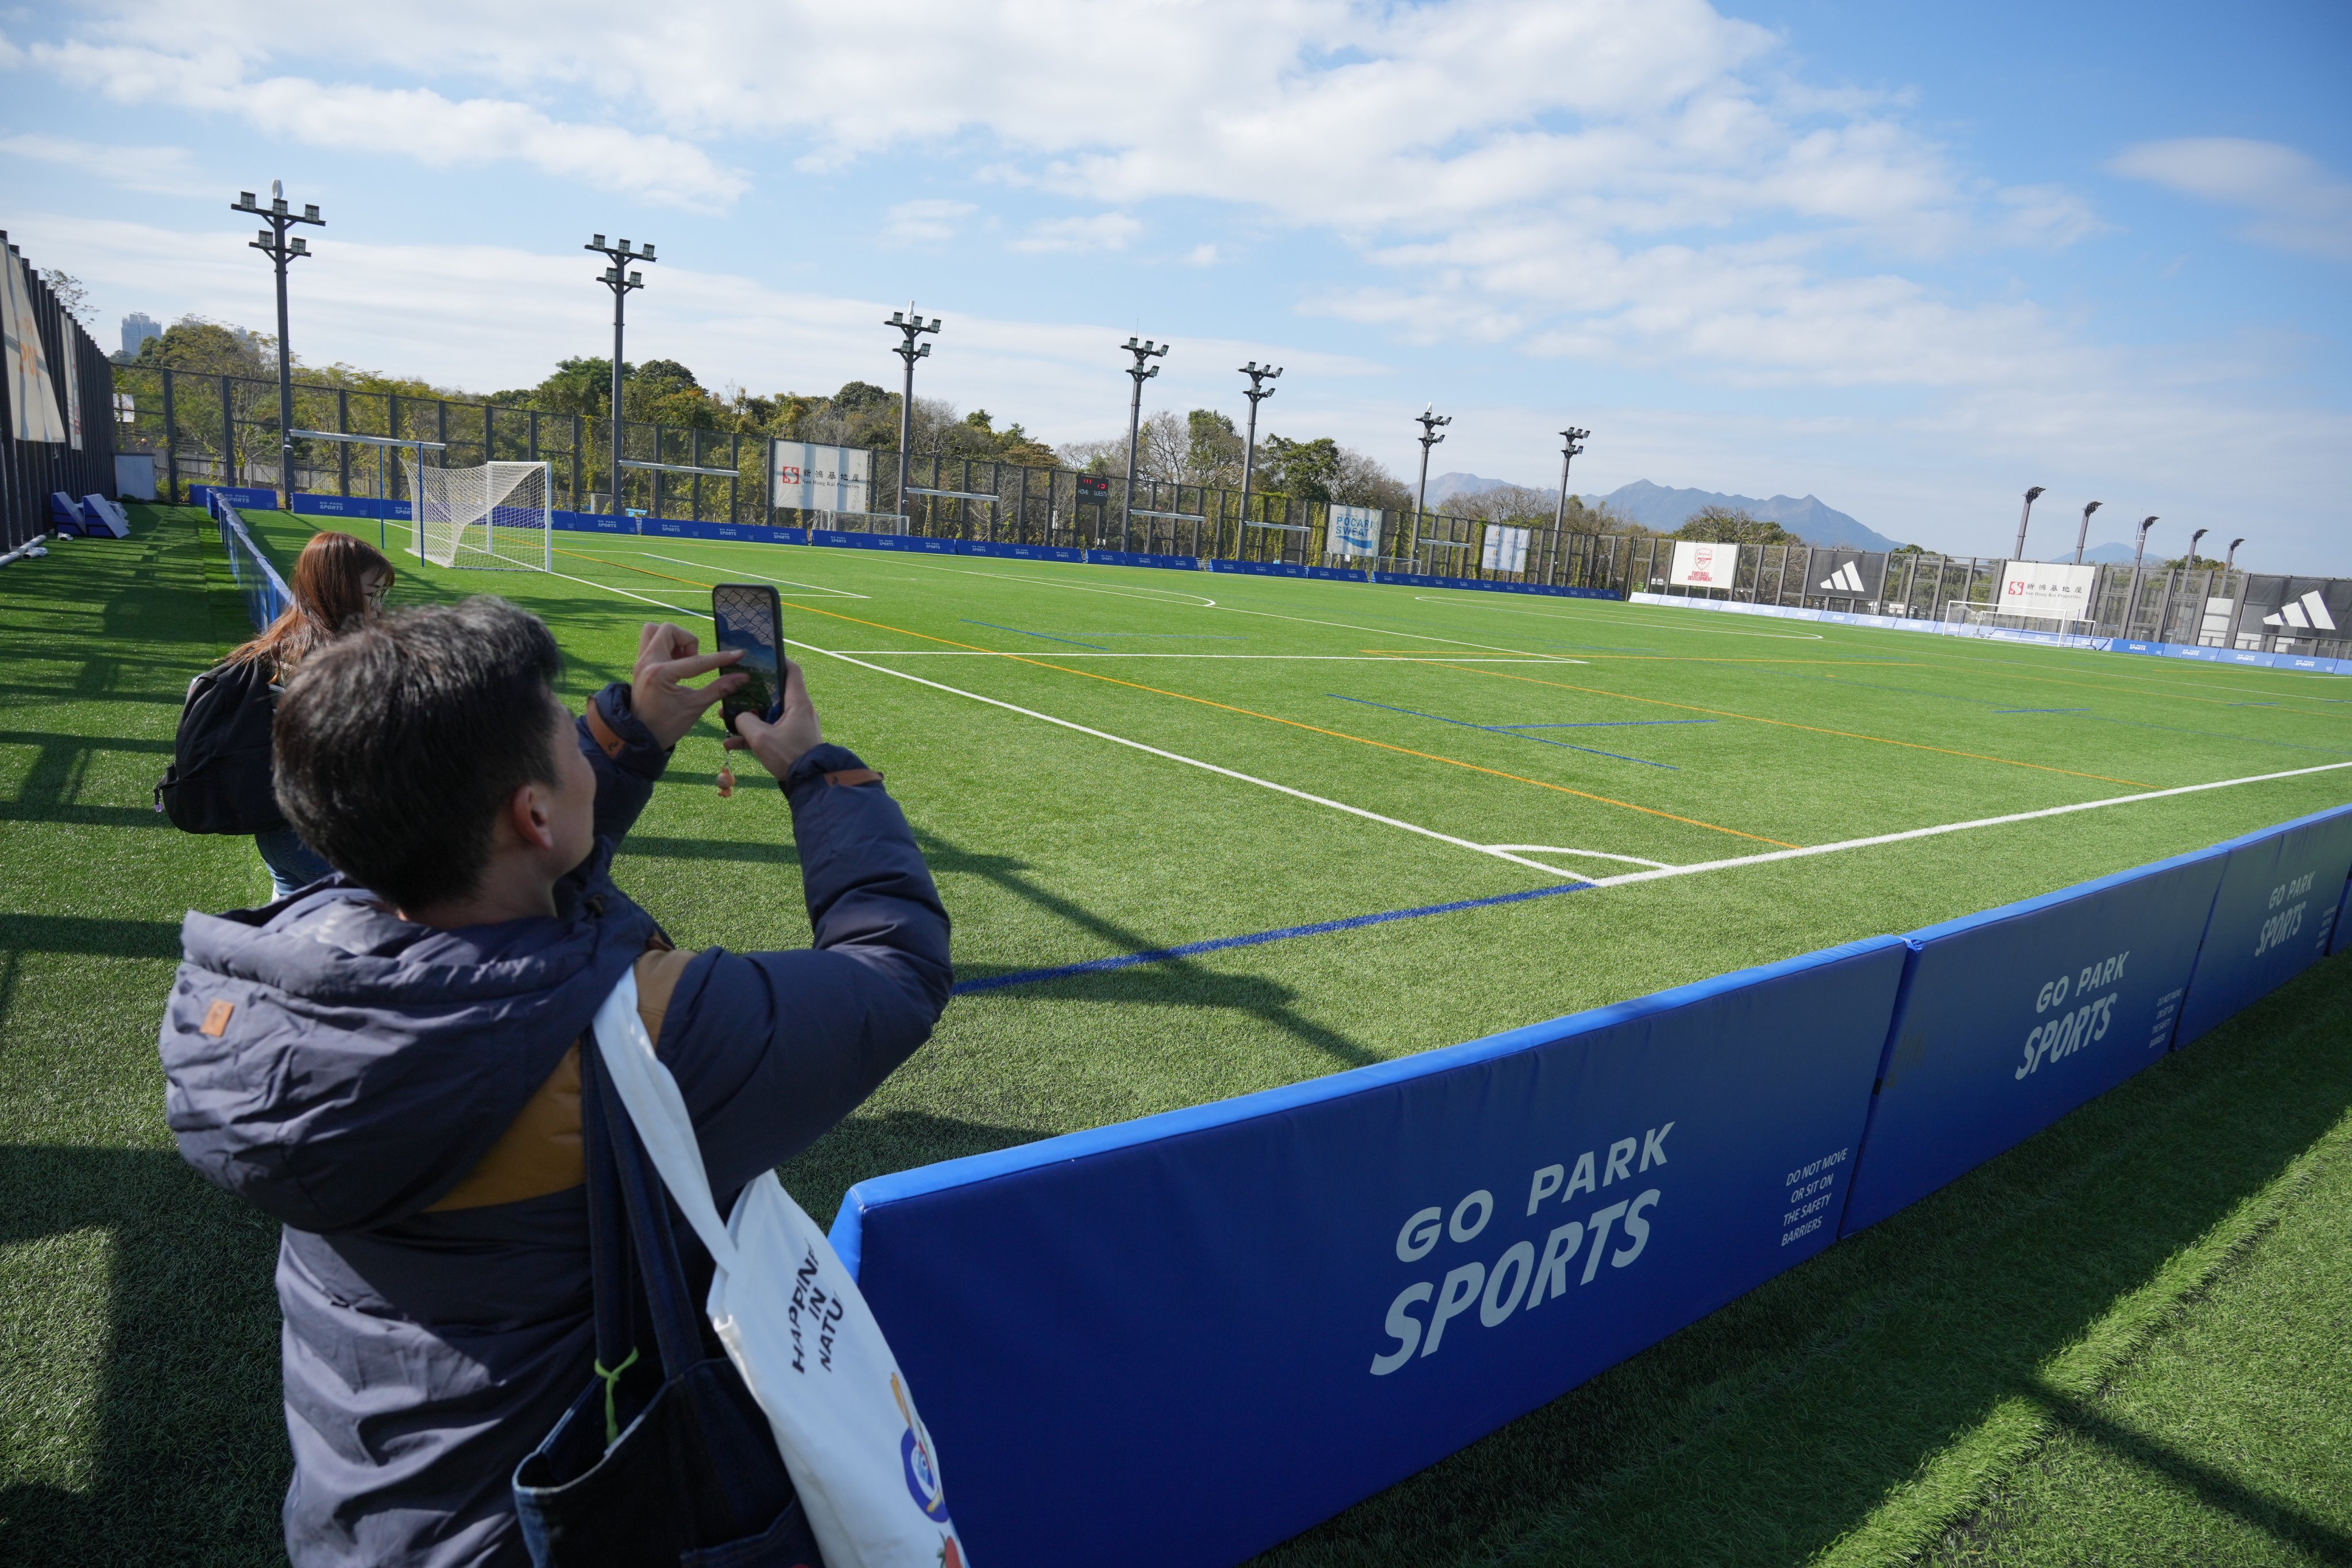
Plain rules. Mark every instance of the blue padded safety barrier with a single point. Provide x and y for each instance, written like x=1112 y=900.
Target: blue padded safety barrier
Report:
x=1182 y=1339
x=2341 y=942
x=2012 y=1018
x=2273 y=917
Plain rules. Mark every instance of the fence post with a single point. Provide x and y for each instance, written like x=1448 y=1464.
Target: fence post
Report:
x=171 y=443
x=343 y=448
x=228 y=434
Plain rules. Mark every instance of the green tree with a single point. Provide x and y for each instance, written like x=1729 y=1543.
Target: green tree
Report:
x=1733 y=526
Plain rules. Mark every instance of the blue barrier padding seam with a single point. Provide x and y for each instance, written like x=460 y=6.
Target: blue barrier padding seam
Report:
x=1256 y=939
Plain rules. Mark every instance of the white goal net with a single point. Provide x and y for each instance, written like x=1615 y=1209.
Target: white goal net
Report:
x=1979 y=618
x=496 y=517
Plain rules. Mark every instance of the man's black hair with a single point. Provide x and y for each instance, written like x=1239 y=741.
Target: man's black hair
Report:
x=396 y=744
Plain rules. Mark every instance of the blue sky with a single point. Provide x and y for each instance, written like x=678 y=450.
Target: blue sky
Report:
x=1908 y=257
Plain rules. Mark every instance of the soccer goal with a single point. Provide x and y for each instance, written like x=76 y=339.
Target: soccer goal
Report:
x=494 y=518
x=1980 y=620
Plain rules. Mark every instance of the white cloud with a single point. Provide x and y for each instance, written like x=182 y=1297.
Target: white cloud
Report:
x=925 y=222
x=2297 y=205
x=434 y=130
x=151 y=170
x=1104 y=231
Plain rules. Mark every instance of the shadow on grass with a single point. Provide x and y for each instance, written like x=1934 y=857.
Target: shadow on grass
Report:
x=1775 y=1428
x=2215 y=1488
x=186 y=1456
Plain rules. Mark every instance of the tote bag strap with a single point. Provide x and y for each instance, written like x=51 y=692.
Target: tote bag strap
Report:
x=622 y=1185
x=645 y=1086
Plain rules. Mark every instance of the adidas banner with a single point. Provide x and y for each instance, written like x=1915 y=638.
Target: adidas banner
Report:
x=1848 y=573
x=1703 y=565
x=2298 y=606
x=2041 y=588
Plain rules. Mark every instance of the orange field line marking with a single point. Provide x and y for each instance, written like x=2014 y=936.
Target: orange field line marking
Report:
x=1791 y=724
x=1253 y=713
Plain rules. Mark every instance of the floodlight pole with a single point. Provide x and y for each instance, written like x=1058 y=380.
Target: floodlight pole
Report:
x=1259 y=392
x=2083 y=534
x=911 y=326
x=2139 y=548
x=620 y=282
x=1429 y=419
x=2030 y=497
x=273 y=243
x=1141 y=371
x=1571 y=443
x=2192 y=548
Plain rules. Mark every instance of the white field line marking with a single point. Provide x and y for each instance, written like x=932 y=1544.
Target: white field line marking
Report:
x=1593 y=620
x=1205 y=767
x=658 y=604
x=762 y=576
x=1958 y=826
x=1596 y=854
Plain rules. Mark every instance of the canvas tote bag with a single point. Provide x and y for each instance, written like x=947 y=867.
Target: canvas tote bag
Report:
x=794 y=1323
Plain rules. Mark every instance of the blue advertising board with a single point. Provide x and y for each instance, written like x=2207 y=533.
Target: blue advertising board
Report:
x=2013 y=1018
x=1026 y=551
x=1143 y=558
x=245 y=496
x=1182 y=1339
x=2272 y=918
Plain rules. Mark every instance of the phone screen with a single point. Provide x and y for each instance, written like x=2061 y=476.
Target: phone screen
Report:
x=749 y=619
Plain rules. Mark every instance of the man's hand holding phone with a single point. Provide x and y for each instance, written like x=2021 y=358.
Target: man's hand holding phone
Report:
x=779 y=745
x=667 y=657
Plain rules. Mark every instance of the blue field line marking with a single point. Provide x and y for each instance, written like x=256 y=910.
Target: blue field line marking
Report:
x=1509 y=730
x=1016 y=631
x=1257 y=939
x=2041 y=710
x=1166 y=637
x=1604 y=724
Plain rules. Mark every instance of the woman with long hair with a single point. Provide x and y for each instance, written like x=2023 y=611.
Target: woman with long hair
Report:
x=340 y=583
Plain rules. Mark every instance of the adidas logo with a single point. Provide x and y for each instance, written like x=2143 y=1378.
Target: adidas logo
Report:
x=2307 y=614
x=1845 y=580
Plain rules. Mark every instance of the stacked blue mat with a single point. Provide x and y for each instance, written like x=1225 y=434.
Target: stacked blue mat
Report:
x=1182 y=1339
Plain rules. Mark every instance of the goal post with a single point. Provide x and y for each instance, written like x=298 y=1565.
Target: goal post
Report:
x=1981 y=619
x=499 y=517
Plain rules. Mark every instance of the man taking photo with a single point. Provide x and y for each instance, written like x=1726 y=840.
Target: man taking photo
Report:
x=389 y=1062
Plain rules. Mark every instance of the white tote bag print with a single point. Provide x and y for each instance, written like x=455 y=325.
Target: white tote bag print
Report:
x=796 y=1328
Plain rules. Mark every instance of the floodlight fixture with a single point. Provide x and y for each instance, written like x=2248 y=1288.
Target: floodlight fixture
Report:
x=273 y=243
x=2083 y=534
x=620 y=283
x=1572 y=444
x=2229 y=562
x=1259 y=392
x=2032 y=496
x=1429 y=421
x=2139 y=548
x=1141 y=371
x=911 y=326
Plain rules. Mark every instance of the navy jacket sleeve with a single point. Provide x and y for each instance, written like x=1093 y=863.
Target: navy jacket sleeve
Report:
x=772 y=1049
x=622 y=750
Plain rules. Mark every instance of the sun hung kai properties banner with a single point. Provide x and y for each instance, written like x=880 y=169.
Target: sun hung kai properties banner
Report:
x=1504 y=549
x=2041 y=588
x=1703 y=565
x=31 y=393
x=1355 y=531
x=822 y=479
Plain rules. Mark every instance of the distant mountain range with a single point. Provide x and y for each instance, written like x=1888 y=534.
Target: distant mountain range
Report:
x=1660 y=506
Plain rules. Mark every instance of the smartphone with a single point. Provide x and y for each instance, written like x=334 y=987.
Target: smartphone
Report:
x=750 y=619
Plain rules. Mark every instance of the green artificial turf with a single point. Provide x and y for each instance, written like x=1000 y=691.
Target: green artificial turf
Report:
x=1856 y=1408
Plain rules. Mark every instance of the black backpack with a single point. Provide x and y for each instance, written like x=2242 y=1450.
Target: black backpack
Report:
x=219 y=778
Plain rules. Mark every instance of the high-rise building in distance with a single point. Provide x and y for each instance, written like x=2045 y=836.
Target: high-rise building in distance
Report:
x=137 y=328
